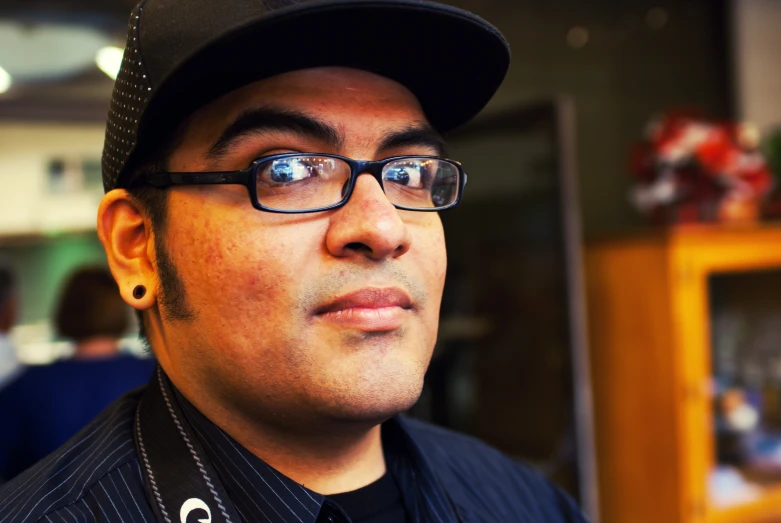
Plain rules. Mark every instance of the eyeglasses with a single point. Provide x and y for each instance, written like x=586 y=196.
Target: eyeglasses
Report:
x=296 y=183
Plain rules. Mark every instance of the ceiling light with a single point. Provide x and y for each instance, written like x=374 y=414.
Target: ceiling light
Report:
x=48 y=51
x=109 y=60
x=5 y=80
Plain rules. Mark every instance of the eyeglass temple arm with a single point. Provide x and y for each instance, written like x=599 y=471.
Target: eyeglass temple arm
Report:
x=198 y=178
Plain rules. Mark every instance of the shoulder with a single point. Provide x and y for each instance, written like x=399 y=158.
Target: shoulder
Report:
x=485 y=480
x=450 y=449
x=129 y=363
x=11 y=373
x=19 y=388
x=30 y=377
x=96 y=471
x=19 y=378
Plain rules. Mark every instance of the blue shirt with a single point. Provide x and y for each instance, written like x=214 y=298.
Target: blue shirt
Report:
x=443 y=477
x=46 y=405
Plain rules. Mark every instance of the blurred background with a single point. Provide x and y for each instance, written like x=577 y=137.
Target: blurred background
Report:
x=612 y=312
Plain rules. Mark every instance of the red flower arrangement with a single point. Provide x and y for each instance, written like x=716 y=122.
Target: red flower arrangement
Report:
x=692 y=170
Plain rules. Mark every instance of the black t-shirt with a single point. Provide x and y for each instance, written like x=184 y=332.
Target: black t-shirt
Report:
x=379 y=502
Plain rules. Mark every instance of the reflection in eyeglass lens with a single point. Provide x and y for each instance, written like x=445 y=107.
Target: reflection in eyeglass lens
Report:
x=310 y=182
x=421 y=183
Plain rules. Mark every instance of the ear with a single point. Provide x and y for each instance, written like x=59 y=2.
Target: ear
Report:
x=127 y=236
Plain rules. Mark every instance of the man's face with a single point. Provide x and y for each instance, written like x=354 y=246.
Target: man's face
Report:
x=277 y=330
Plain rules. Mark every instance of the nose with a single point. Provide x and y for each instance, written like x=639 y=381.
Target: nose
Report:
x=368 y=225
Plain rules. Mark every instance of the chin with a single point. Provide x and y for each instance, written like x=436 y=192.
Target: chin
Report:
x=370 y=417
x=376 y=401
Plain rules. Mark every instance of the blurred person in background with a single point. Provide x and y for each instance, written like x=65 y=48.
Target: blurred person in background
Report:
x=48 y=404
x=10 y=366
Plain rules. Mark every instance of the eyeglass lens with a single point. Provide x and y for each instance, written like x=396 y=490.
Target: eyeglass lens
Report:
x=311 y=182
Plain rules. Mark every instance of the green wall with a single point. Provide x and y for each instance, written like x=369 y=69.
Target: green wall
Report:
x=44 y=263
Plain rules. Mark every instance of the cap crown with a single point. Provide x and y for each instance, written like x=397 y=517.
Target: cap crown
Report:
x=181 y=54
x=180 y=27
x=132 y=89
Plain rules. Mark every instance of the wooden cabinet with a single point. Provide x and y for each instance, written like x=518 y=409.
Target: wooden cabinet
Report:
x=653 y=383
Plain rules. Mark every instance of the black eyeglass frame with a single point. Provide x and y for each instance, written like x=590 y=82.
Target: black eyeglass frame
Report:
x=248 y=178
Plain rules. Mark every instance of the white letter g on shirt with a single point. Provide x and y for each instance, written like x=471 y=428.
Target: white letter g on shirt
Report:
x=193 y=504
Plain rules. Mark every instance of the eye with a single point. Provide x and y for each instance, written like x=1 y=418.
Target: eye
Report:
x=288 y=170
x=407 y=174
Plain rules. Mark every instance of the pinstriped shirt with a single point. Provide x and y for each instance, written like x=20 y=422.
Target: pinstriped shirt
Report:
x=443 y=477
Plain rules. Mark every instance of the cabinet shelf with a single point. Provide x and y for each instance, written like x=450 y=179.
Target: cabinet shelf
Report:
x=765 y=509
x=656 y=379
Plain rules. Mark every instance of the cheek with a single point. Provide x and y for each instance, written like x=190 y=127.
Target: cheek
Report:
x=435 y=244
x=429 y=254
x=238 y=271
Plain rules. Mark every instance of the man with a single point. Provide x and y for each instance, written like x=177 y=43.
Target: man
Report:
x=9 y=364
x=271 y=170
x=47 y=404
x=10 y=367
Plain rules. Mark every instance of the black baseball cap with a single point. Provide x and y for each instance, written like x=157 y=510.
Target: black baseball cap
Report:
x=183 y=54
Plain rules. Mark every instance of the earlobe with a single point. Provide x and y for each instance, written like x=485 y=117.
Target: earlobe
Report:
x=128 y=239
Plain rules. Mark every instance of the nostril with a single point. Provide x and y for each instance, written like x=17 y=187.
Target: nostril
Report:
x=358 y=247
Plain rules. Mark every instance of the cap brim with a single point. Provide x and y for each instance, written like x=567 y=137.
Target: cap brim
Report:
x=451 y=60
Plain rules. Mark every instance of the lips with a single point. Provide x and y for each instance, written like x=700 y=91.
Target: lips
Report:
x=369 y=298
x=368 y=309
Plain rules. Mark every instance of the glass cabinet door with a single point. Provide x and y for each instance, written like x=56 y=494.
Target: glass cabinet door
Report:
x=745 y=329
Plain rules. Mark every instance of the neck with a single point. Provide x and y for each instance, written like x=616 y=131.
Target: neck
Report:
x=95 y=348
x=327 y=457
x=327 y=465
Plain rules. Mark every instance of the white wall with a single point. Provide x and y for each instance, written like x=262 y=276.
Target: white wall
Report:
x=26 y=205
x=757 y=62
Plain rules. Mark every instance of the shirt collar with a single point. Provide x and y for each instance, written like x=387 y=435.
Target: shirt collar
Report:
x=258 y=491
x=261 y=493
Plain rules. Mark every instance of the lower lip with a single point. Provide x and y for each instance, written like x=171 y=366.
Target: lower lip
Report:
x=368 y=320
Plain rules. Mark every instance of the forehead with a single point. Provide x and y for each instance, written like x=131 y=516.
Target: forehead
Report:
x=359 y=103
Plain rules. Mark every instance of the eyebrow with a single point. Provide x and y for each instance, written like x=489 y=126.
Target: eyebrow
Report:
x=270 y=119
x=413 y=136
x=266 y=119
